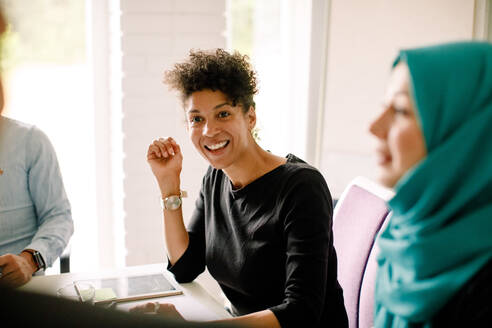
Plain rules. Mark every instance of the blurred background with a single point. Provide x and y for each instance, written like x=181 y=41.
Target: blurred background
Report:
x=89 y=73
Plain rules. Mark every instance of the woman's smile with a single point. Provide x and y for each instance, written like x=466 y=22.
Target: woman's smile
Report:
x=383 y=157
x=217 y=146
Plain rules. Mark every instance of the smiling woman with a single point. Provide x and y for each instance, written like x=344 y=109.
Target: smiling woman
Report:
x=435 y=260
x=262 y=223
x=403 y=143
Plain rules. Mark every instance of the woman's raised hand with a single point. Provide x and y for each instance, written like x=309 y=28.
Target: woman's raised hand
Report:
x=165 y=159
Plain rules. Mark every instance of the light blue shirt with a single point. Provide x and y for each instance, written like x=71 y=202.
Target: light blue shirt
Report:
x=34 y=210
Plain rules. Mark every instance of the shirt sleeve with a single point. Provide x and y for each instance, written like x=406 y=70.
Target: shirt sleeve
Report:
x=307 y=212
x=192 y=262
x=54 y=216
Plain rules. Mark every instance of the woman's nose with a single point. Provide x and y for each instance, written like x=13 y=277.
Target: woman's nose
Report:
x=210 y=129
x=378 y=127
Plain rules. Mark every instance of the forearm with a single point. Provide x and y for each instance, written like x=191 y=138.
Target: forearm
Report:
x=175 y=233
x=52 y=236
x=260 y=319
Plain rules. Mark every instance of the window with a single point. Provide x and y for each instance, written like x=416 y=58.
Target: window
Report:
x=276 y=36
x=48 y=83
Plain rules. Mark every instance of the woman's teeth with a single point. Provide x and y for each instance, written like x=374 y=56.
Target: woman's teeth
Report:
x=217 y=145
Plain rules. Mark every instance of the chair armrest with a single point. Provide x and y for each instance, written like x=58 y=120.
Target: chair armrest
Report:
x=65 y=260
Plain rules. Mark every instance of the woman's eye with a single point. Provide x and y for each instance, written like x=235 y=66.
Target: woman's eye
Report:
x=401 y=111
x=196 y=119
x=224 y=114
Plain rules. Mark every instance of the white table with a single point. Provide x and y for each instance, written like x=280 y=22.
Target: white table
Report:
x=194 y=304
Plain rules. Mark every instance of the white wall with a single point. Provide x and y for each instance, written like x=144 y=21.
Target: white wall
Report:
x=155 y=35
x=364 y=37
x=281 y=59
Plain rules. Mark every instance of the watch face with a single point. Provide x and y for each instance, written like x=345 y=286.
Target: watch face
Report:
x=172 y=202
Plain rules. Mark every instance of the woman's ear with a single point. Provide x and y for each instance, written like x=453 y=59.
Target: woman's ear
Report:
x=251 y=117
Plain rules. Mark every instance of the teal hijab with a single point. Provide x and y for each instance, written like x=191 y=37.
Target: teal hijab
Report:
x=440 y=233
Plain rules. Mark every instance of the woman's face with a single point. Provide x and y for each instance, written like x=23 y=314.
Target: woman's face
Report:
x=219 y=131
x=401 y=144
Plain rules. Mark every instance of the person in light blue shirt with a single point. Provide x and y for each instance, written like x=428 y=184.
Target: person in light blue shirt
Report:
x=35 y=216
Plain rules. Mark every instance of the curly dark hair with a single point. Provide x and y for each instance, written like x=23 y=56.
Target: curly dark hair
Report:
x=216 y=69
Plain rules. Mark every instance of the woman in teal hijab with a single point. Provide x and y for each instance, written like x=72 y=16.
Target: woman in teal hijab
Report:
x=435 y=149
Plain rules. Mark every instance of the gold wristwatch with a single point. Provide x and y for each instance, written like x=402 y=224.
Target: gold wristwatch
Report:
x=173 y=202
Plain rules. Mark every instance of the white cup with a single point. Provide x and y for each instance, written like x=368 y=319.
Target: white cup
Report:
x=78 y=291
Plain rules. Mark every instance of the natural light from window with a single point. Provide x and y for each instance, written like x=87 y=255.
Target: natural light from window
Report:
x=276 y=36
x=47 y=83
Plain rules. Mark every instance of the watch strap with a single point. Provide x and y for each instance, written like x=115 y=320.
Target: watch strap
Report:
x=37 y=258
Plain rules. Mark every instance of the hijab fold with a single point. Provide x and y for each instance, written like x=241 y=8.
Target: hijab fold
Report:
x=440 y=233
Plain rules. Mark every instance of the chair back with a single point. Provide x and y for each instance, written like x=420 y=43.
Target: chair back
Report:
x=367 y=289
x=358 y=217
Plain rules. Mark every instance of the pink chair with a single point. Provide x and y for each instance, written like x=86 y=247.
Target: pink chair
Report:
x=358 y=217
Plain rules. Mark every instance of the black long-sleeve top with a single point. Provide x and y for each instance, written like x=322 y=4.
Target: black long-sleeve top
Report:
x=269 y=245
